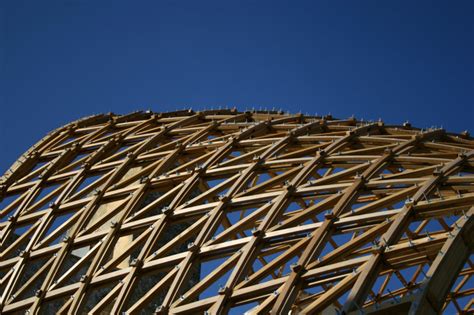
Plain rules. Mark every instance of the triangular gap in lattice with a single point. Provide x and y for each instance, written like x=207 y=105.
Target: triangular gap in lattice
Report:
x=90 y=184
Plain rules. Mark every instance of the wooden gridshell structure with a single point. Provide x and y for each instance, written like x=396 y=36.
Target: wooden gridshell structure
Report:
x=280 y=213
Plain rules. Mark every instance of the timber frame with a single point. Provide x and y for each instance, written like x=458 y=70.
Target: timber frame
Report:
x=281 y=212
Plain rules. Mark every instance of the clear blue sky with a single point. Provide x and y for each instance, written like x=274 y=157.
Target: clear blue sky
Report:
x=399 y=60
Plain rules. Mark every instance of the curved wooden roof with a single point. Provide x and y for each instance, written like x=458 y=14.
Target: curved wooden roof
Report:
x=225 y=212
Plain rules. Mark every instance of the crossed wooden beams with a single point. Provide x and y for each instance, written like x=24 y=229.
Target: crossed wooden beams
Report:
x=302 y=214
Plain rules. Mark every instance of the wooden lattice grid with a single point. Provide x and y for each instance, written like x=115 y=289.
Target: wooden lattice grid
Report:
x=223 y=211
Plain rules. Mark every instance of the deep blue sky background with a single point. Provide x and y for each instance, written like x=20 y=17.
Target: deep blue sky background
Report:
x=399 y=60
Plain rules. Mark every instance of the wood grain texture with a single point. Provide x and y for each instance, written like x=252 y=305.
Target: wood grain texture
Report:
x=223 y=211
